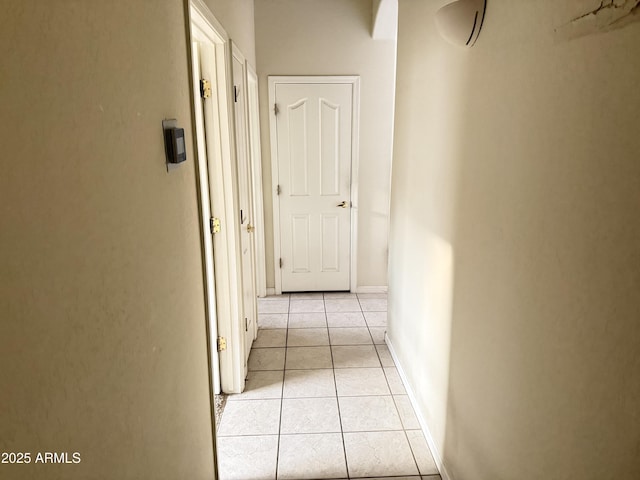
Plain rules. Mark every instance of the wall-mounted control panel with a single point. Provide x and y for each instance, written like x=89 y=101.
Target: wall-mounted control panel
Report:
x=174 y=143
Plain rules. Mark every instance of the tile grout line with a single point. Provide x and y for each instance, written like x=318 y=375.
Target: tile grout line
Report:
x=323 y=368
x=294 y=434
x=286 y=339
x=333 y=369
x=375 y=347
x=404 y=430
x=335 y=384
x=371 y=336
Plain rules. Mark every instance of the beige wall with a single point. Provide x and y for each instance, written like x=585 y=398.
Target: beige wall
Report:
x=515 y=243
x=236 y=16
x=333 y=37
x=102 y=323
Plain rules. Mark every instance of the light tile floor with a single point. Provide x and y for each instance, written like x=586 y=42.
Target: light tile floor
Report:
x=323 y=398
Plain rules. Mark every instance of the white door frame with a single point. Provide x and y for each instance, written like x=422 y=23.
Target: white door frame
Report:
x=354 y=81
x=241 y=122
x=255 y=156
x=219 y=157
x=205 y=214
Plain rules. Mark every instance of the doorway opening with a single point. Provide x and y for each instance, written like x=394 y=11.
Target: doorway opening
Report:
x=228 y=174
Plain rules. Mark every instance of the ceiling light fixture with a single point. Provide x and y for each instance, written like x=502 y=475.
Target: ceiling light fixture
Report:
x=460 y=22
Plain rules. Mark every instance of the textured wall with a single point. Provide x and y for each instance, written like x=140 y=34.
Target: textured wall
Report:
x=102 y=324
x=333 y=37
x=515 y=242
x=236 y=16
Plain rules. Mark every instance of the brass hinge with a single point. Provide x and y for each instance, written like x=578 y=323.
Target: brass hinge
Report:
x=276 y=110
x=214 y=225
x=278 y=190
x=222 y=344
x=281 y=263
x=205 y=88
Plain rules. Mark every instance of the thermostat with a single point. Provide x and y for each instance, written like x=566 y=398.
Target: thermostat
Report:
x=174 y=143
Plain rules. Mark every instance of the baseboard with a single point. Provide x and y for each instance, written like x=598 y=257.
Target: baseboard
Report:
x=423 y=424
x=381 y=289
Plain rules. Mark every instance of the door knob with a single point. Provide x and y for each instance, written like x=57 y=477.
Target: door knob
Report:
x=250 y=228
x=342 y=204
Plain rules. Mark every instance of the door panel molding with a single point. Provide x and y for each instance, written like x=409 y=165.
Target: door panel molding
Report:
x=354 y=81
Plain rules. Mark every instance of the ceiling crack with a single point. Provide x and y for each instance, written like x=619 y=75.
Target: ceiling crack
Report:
x=608 y=15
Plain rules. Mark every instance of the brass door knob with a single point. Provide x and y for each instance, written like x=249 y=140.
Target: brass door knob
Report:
x=250 y=228
x=342 y=204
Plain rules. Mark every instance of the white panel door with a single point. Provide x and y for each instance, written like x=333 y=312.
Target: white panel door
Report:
x=249 y=297
x=253 y=121
x=205 y=210
x=314 y=140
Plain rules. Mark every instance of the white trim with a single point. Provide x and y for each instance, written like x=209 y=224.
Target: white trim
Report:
x=437 y=457
x=205 y=29
x=354 y=80
x=381 y=289
x=202 y=31
x=205 y=20
x=255 y=152
x=244 y=166
x=275 y=211
x=205 y=213
x=235 y=339
x=271 y=291
x=355 y=181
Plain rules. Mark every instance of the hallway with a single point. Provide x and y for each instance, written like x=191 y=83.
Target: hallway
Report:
x=323 y=397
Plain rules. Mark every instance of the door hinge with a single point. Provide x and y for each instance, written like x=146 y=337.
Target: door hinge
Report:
x=235 y=93
x=214 y=225
x=222 y=344
x=276 y=110
x=246 y=324
x=278 y=190
x=281 y=263
x=205 y=88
